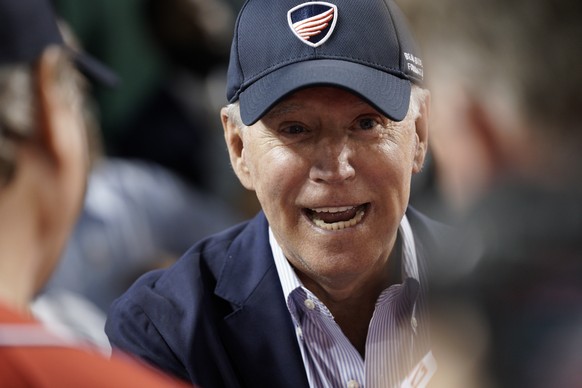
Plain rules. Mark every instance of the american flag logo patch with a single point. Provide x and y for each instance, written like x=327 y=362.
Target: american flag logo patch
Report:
x=313 y=22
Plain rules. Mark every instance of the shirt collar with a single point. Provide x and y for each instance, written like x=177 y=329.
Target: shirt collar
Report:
x=290 y=281
x=287 y=277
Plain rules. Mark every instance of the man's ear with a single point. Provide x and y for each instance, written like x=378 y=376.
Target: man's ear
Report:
x=421 y=124
x=236 y=149
x=56 y=121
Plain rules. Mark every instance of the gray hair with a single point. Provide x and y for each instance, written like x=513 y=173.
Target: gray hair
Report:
x=417 y=96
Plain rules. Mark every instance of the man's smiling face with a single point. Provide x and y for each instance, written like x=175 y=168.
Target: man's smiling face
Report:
x=332 y=175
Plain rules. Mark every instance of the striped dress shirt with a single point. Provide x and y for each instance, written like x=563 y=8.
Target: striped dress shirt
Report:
x=329 y=358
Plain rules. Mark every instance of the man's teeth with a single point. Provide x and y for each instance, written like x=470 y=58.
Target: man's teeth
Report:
x=340 y=224
x=332 y=209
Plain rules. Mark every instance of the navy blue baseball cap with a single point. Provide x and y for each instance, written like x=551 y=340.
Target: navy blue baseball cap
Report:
x=27 y=27
x=281 y=46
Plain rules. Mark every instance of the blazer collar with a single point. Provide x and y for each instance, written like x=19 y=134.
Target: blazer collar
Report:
x=248 y=259
x=259 y=331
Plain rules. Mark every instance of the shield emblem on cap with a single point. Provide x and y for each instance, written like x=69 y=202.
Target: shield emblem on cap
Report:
x=313 y=22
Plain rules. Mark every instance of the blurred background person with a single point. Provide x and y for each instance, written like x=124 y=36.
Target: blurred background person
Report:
x=487 y=68
x=44 y=161
x=176 y=125
x=507 y=138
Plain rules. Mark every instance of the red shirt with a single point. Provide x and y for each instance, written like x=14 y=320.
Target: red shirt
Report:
x=32 y=357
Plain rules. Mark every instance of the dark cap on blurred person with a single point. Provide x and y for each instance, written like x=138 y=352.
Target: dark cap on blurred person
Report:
x=282 y=46
x=27 y=27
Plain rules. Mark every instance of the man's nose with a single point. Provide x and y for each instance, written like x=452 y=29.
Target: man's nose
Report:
x=332 y=162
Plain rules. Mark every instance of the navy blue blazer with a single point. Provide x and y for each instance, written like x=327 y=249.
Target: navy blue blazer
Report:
x=218 y=318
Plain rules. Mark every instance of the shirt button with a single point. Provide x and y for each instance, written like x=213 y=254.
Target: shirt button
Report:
x=353 y=384
x=309 y=304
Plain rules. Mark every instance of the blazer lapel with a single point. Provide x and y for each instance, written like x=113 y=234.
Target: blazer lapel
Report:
x=259 y=333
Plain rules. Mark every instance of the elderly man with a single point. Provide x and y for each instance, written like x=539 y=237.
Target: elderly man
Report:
x=325 y=287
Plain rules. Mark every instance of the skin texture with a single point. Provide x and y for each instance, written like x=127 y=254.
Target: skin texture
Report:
x=325 y=147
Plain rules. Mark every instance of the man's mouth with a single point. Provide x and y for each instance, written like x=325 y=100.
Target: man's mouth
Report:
x=337 y=218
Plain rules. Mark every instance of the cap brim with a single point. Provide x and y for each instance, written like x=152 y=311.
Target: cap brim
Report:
x=95 y=70
x=384 y=91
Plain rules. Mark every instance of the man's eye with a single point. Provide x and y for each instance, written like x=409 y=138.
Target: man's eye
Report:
x=294 y=129
x=367 y=123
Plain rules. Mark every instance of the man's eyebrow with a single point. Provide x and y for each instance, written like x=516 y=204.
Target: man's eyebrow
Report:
x=291 y=107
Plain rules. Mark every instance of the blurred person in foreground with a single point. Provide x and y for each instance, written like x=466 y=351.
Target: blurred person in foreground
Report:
x=44 y=161
x=509 y=90
x=327 y=122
